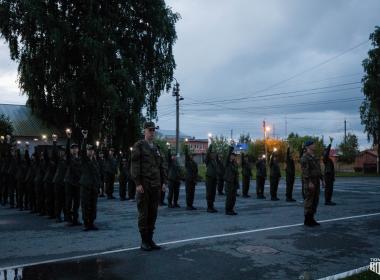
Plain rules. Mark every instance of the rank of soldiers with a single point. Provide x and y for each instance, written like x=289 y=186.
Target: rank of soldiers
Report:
x=56 y=181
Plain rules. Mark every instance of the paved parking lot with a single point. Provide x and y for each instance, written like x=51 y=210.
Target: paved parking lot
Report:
x=267 y=240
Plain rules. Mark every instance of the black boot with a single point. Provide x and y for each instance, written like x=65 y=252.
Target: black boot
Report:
x=308 y=221
x=313 y=221
x=152 y=244
x=145 y=245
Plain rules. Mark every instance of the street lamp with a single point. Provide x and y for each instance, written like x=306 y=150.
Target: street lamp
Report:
x=275 y=149
x=44 y=137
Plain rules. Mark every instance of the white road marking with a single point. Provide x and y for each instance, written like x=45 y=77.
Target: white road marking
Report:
x=346 y=274
x=184 y=241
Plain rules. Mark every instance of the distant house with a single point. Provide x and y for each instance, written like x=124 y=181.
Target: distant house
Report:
x=27 y=127
x=366 y=161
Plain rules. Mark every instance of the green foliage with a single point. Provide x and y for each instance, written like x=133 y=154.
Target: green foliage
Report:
x=349 y=149
x=296 y=142
x=244 y=138
x=6 y=127
x=370 y=108
x=162 y=145
x=220 y=145
x=92 y=64
x=256 y=149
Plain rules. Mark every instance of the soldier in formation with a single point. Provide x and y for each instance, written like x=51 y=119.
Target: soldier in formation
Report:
x=329 y=175
x=261 y=175
x=191 y=179
x=231 y=177
x=312 y=177
x=149 y=172
x=275 y=176
x=246 y=174
x=290 y=171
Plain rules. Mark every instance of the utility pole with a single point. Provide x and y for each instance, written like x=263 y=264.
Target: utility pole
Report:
x=265 y=142
x=286 y=127
x=345 y=132
x=232 y=135
x=274 y=132
x=178 y=98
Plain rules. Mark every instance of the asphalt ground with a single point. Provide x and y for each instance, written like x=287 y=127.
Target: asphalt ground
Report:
x=267 y=240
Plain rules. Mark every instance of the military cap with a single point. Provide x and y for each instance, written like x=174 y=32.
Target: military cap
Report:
x=73 y=146
x=308 y=143
x=150 y=125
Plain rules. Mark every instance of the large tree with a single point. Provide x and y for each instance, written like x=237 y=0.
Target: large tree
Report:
x=370 y=108
x=100 y=65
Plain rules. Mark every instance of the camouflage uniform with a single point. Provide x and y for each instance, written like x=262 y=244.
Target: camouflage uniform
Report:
x=191 y=178
x=110 y=170
x=211 y=179
x=311 y=173
x=220 y=174
x=149 y=170
x=123 y=178
x=290 y=176
x=275 y=175
x=48 y=181
x=72 y=186
x=231 y=177
x=246 y=174
x=329 y=176
x=59 y=190
x=174 y=181
x=261 y=175
x=89 y=182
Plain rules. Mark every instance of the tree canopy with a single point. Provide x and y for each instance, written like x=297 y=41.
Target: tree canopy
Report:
x=6 y=126
x=370 y=108
x=349 y=148
x=99 y=65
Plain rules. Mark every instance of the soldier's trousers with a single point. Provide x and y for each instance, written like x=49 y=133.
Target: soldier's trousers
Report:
x=72 y=196
x=89 y=198
x=40 y=197
x=147 y=205
x=11 y=184
x=173 y=192
x=21 y=198
x=31 y=196
x=4 y=189
x=246 y=181
x=210 y=191
x=123 y=188
x=59 y=202
x=329 y=187
x=101 y=187
x=260 y=183
x=49 y=199
x=190 y=192
x=311 y=198
x=274 y=181
x=230 y=196
x=289 y=186
x=220 y=185
x=110 y=181
x=131 y=189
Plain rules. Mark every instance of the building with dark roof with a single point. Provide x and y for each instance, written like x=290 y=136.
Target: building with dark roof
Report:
x=27 y=127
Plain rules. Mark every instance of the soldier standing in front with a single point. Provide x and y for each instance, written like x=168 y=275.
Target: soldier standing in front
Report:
x=329 y=175
x=312 y=176
x=246 y=174
x=150 y=175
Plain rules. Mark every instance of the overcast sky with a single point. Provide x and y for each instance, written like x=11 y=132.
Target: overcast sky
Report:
x=296 y=64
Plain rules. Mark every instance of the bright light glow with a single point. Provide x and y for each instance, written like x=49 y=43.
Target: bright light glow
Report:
x=267 y=128
x=275 y=149
x=209 y=135
x=44 y=137
x=97 y=143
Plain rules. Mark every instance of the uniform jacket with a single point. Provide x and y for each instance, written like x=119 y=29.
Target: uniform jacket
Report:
x=191 y=169
x=211 y=164
x=275 y=171
x=311 y=169
x=90 y=169
x=148 y=166
x=261 y=169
